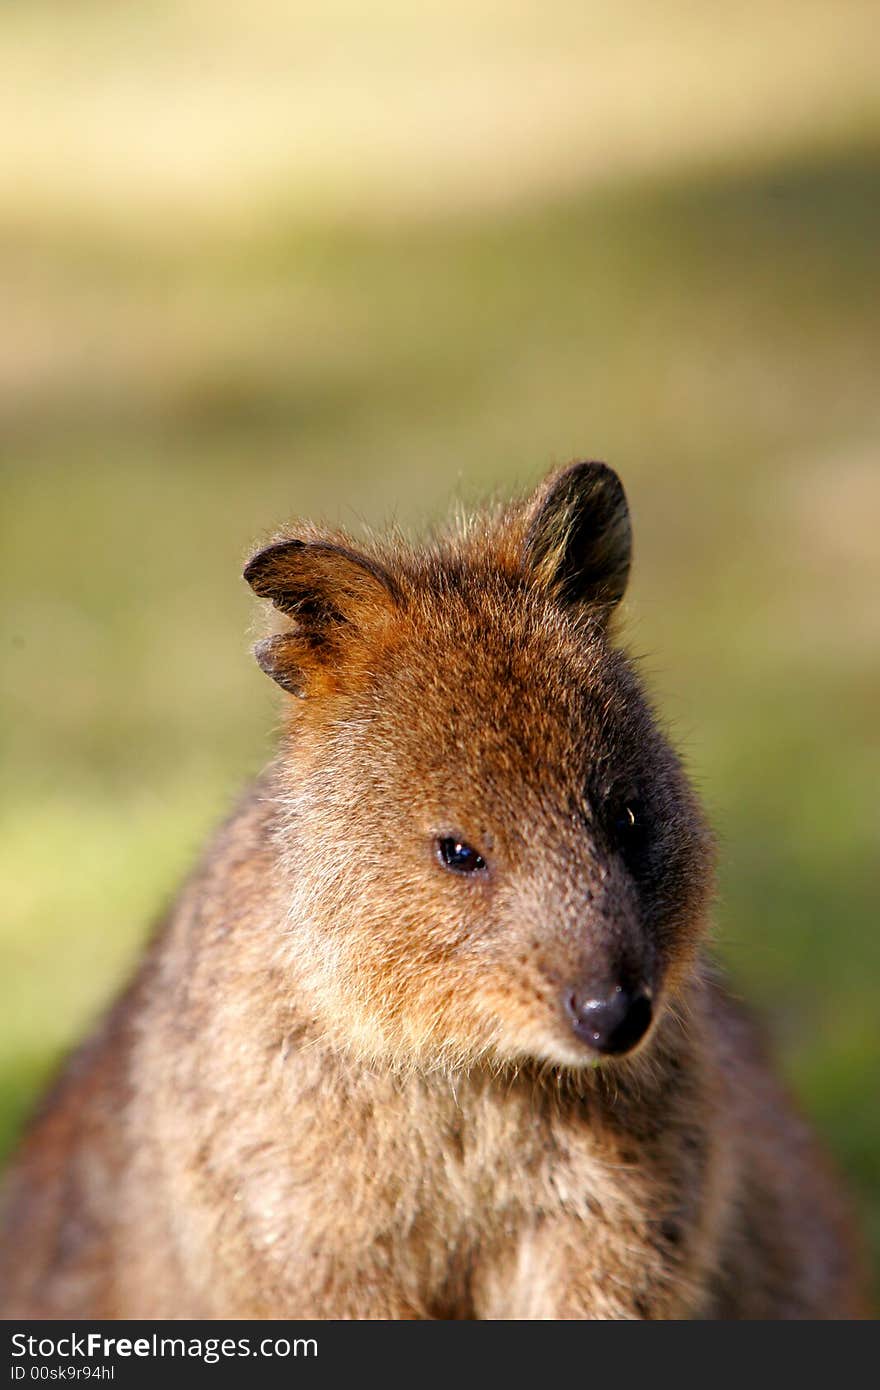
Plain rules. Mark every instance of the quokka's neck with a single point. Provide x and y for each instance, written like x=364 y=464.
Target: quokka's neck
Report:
x=624 y=1095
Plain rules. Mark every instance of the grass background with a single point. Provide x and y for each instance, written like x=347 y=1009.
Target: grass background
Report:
x=352 y=262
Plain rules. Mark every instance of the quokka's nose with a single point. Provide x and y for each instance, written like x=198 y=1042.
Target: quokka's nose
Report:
x=611 y=1023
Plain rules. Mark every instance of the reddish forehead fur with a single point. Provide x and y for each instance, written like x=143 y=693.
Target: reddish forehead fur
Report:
x=464 y=613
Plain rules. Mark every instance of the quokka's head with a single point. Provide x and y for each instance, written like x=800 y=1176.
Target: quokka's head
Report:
x=491 y=851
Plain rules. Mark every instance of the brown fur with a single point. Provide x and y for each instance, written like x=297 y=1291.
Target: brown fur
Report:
x=345 y=1082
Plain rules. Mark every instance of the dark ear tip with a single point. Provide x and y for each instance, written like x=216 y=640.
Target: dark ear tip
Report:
x=601 y=475
x=261 y=566
x=587 y=483
x=596 y=466
x=591 y=484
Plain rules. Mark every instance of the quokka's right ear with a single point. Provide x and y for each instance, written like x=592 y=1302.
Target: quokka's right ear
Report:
x=341 y=603
x=578 y=544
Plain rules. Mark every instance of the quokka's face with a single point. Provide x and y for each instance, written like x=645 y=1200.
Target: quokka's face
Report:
x=493 y=852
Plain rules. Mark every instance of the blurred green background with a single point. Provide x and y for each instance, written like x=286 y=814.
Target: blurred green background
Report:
x=355 y=261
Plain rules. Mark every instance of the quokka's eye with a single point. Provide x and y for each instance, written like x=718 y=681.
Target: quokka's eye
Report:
x=460 y=857
x=631 y=830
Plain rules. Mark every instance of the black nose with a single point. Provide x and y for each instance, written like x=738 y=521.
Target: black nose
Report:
x=611 y=1023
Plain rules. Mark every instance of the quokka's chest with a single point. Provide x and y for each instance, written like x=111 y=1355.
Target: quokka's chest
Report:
x=474 y=1155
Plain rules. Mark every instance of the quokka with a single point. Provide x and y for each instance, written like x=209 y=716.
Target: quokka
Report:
x=430 y=1033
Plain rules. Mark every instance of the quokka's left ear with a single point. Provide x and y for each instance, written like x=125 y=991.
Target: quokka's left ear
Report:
x=578 y=543
x=340 y=601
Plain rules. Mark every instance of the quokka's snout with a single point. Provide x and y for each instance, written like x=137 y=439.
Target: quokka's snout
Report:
x=604 y=994
x=610 y=1020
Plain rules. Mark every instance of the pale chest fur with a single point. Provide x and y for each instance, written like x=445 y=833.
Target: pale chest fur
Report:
x=363 y=1195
